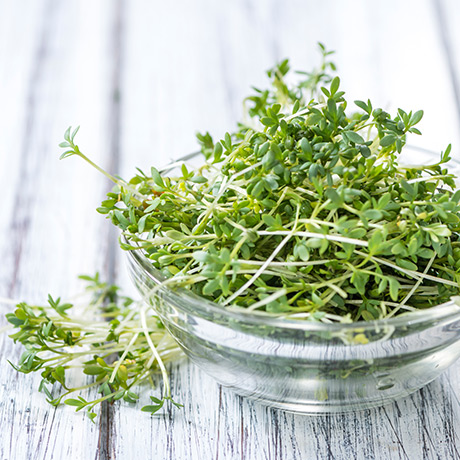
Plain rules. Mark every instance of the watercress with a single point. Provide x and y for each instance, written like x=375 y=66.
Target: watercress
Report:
x=303 y=210
x=116 y=342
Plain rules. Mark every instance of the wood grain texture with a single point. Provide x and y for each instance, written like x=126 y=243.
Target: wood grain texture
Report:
x=142 y=77
x=49 y=237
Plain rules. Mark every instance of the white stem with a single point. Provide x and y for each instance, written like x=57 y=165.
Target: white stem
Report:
x=167 y=390
x=267 y=300
x=419 y=282
x=413 y=273
x=284 y=264
x=122 y=358
x=340 y=239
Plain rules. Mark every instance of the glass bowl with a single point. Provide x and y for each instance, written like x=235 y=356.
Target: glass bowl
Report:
x=303 y=366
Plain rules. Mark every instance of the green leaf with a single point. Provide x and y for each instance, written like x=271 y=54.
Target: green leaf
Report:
x=201 y=256
x=157 y=177
x=314 y=243
x=305 y=146
x=456 y=197
x=67 y=154
x=398 y=248
x=199 y=179
x=218 y=151
x=332 y=108
x=416 y=117
x=364 y=150
x=303 y=252
x=332 y=195
x=357 y=233
x=384 y=200
x=296 y=106
x=211 y=286
x=67 y=134
x=175 y=235
x=388 y=140
x=394 y=288
x=408 y=188
x=154 y=407
x=227 y=141
x=362 y=105
x=376 y=242
x=373 y=214
x=268 y=220
x=407 y=264
x=359 y=280
x=93 y=370
x=266 y=121
x=354 y=137
x=73 y=402
x=445 y=156
x=141 y=223
x=425 y=253
x=367 y=315
x=124 y=222
x=16 y=322
x=335 y=85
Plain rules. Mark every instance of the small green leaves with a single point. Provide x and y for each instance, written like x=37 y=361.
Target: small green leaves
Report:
x=331 y=194
x=384 y=200
x=211 y=286
x=157 y=177
x=306 y=146
x=407 y=264
x=78 y=403
x=388 y=140
x=58 y=306
x=159 y=403
x=199 y=179
x=376 y=242
x=267 y=121
x=69 y=137
x=55 y=338
x=416 y=117
x=217 y=152
x=303 y=208
x=335 y=85
x=445 y=156
x=353 y=137
x=152 y=409
x=367 y=107
x=373 y=214
x=394 y=289
x=273 y=223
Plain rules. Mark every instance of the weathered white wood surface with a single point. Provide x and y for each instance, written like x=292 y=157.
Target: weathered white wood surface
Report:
x=142 y=77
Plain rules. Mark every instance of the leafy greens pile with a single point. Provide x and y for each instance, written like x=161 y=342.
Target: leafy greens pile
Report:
x=303 y=210
x=113 y=340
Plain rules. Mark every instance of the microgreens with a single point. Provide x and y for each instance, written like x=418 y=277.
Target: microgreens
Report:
x=111 y=339
x=304 y=208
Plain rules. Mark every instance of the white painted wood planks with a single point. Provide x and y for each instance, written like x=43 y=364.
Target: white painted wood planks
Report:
x=141 y=78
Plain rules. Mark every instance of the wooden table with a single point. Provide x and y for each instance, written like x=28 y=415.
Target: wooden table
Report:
x=142 y=77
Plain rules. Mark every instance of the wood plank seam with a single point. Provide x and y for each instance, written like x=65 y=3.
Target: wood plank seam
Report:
x=106 y=422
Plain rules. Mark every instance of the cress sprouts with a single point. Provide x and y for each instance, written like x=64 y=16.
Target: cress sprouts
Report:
x=303 y=210
x=114 y=341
